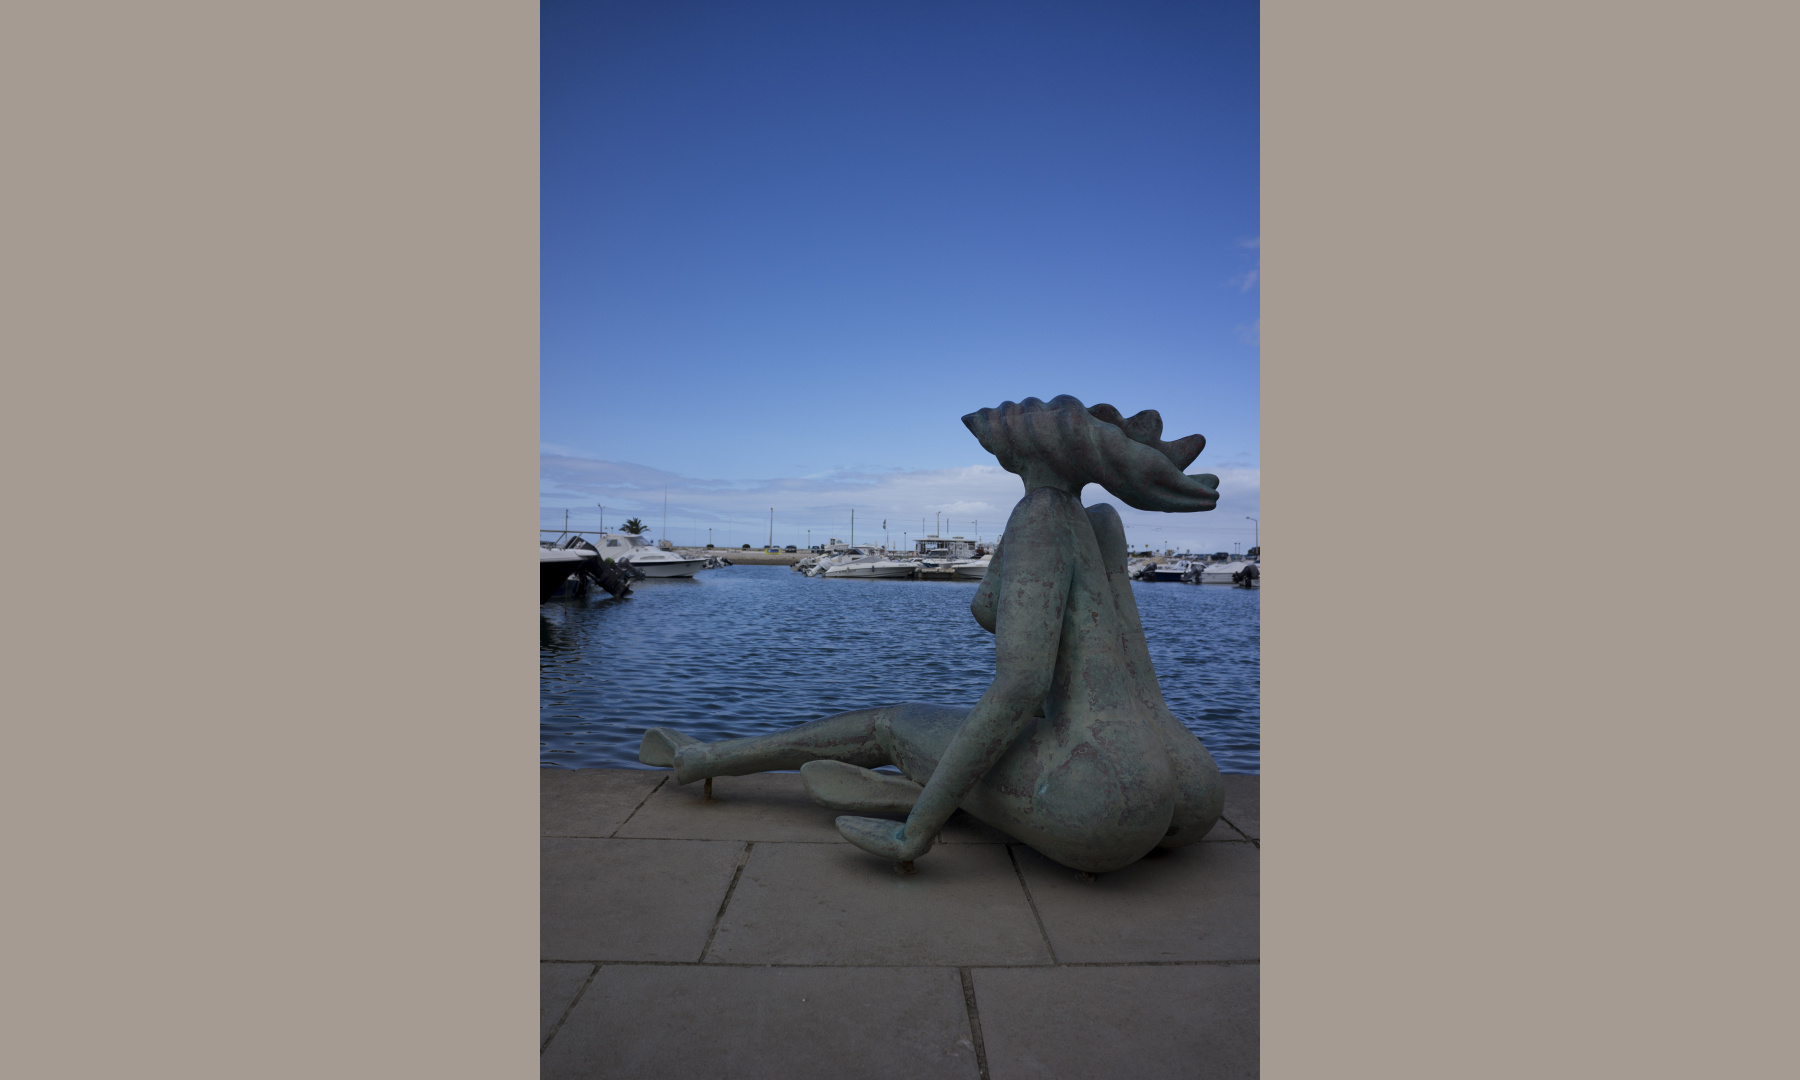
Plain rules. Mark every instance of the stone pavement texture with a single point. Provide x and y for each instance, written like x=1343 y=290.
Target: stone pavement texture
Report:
x=745 y=938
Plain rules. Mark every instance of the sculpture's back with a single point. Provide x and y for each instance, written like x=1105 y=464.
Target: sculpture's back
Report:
x=1106 y=773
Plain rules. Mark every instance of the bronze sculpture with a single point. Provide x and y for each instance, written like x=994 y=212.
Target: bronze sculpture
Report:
x=1071 y=749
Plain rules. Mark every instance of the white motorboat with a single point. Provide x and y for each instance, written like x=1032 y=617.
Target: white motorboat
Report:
x=833 y=555
x=972 y=568
x=867 y=563
x=554 y=567
x=646 y=558
x=1219 y=573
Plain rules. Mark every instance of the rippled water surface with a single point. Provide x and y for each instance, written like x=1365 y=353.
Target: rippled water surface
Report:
x=746 y=650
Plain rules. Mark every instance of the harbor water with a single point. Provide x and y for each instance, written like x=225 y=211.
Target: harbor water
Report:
x=747 y=650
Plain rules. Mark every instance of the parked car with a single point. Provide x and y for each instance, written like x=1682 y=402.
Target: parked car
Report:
x=790 y=549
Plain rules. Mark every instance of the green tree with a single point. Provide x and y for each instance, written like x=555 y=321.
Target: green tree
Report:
x=634 y=527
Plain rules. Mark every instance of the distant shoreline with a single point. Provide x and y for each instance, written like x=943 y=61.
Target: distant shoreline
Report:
x=759 y=557
x=753 y=557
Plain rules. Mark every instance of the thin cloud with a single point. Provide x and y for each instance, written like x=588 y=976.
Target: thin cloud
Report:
x=971 y=499
x=1249 y=280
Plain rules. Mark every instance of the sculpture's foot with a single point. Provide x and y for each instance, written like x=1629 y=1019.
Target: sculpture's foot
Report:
x=837 y=785
x=661 y=743
x=879 y=836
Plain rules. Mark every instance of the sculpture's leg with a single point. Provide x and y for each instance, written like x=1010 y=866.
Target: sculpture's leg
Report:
x=837 y=785
x=852 y=737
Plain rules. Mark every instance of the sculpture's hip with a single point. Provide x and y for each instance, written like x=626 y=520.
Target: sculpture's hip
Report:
x=1094 y=795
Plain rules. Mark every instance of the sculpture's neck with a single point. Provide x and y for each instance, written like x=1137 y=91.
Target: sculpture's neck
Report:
x=1038 y=475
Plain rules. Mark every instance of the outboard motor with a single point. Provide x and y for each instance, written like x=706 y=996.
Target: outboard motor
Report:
x=614 y=577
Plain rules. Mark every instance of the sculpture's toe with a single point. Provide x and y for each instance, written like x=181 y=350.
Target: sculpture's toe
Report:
x=837 y=785
x=660 y=744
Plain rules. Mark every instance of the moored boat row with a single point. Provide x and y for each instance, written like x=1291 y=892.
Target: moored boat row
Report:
x=1194 y=570
x=861 y=562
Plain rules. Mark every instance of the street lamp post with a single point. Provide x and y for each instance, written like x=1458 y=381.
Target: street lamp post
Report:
x=1258 y=525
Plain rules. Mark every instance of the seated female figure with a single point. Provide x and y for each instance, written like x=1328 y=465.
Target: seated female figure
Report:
x=1071 y=749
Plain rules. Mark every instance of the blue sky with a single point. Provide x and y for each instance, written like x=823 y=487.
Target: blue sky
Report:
x=786 y=246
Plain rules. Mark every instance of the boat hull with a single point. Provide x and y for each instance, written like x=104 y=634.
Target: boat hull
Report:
x=552 y=572
x=869 y=572
x=670 y=568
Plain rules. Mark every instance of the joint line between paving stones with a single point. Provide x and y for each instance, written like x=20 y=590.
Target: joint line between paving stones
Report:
x=556 y=1027
x=1234 y=828
x=743 y=857
x=1247 y=962
x=1045 y=934
x=653 y=790
x=968 y=985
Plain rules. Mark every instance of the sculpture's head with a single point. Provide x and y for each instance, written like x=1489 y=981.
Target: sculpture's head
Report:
x=1062 y=440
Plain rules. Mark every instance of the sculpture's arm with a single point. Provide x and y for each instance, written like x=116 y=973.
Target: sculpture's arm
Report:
x=1032 y=594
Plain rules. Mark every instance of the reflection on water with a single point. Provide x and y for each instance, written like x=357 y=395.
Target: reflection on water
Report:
x=746 y=650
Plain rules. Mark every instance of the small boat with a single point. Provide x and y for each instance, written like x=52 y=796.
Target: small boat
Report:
x=833 y=555
x=555 y=565
x=868 y=563
x=1173 y=570
x=971 y=568
x=646 y=558
x=1220 y=573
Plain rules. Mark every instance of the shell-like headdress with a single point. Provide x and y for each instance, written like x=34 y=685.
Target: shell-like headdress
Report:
x=1126 y=456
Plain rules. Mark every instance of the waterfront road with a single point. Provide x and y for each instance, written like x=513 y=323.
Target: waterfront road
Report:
x=744 y=937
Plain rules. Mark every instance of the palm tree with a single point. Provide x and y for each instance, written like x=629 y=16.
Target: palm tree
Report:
x=634 y=527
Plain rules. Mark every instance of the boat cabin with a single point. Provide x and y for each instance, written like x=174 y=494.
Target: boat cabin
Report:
x=945 y=547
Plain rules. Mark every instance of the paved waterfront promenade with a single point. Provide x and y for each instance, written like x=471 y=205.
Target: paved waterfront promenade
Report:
x=745 y=938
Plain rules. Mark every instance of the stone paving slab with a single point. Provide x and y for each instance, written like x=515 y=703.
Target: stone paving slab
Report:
x=696 y=1023
x=835 y=904
x=765 y=807
x=591 y=802
x=557 y=986
x=1199 y=902
x=1120 y=994
x=631 y=899
x=1192 y=1021
x=1243 y=805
